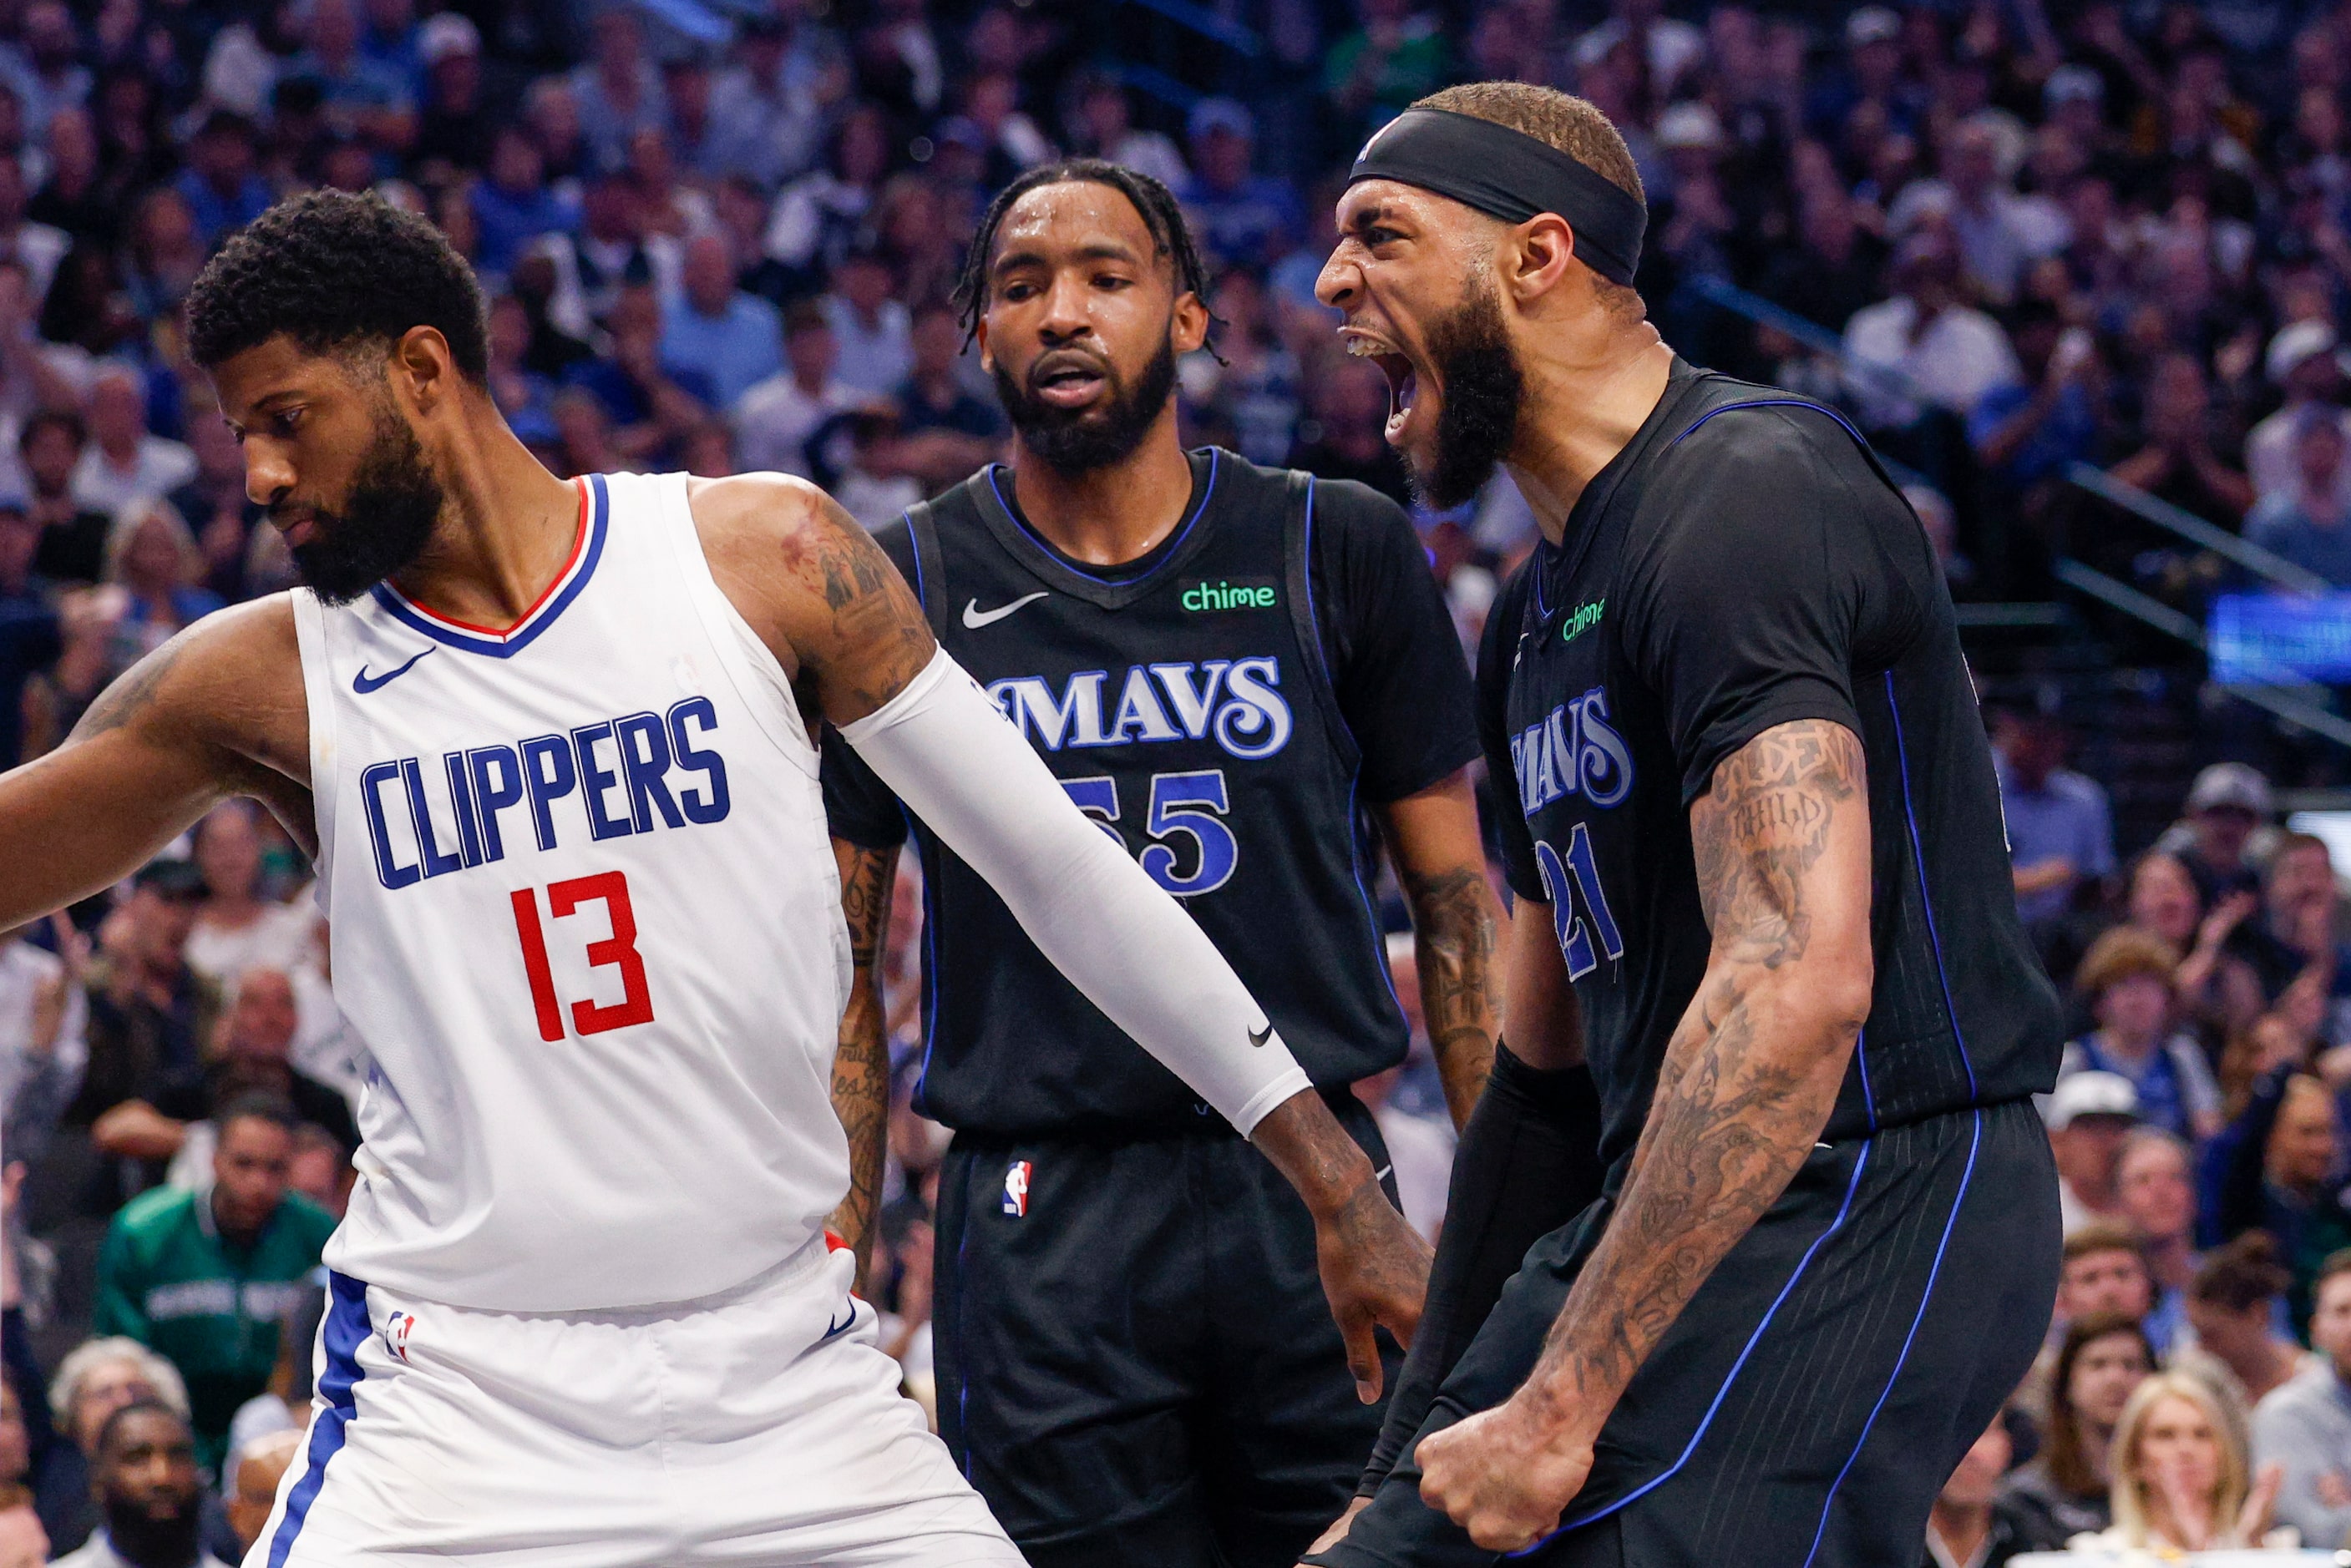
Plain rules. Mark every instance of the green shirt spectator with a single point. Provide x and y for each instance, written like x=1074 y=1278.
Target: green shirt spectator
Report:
x=209 y=1279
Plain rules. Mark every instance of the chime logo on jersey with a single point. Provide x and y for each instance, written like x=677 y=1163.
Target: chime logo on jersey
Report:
x=633 y=773
x=1016 y=1189
x=1233 y=701
x=1573 y=750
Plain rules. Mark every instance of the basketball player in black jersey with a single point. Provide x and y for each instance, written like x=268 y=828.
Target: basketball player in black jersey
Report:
x=1765 y=947
x=1224 y=664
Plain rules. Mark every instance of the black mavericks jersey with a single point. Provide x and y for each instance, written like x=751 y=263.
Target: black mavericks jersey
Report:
x=1744 y=563
x=1219 y=706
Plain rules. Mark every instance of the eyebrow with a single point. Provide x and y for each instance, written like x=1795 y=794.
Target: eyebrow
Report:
x=1368 y=217
x=1100 y=250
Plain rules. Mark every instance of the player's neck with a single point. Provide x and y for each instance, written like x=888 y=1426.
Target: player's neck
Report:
x=505 y=530
x=1110 y=516
x=1587 y=394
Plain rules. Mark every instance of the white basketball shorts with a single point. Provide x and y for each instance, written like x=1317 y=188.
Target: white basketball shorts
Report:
x=759 y=1428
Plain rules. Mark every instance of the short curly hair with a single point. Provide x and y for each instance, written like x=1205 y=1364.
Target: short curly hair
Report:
x=332 y=271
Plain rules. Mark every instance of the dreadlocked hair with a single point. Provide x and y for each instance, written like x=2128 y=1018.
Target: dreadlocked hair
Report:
x=1152 y=202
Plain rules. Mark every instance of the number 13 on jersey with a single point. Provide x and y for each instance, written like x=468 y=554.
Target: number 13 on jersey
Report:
x=617 y=950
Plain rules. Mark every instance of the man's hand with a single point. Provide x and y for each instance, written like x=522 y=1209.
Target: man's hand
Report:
x=1505 y=1475
x=1374 y=1271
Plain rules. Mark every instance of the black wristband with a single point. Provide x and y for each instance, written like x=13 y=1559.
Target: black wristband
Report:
x=1528 y=1161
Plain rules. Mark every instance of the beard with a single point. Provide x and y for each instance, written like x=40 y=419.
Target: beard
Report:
x=1079 y=441
x=140 y=1536
x=1479 y=417
x=385 y=523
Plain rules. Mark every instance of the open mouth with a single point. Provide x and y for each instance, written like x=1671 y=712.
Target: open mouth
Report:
x=1404 y=380
x=1067 y=380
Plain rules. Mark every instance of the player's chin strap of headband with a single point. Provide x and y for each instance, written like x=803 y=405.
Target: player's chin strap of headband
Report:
x=1513 y=177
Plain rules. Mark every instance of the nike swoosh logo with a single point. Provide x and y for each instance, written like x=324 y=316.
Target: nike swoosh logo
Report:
x=364 y=683
x=1259 y=1036
x=831 y=1328
x=974 y=617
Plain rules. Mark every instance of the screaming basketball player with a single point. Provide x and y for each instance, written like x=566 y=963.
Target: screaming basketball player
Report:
x=1765 y=940
x=1220 y=663
x=552 y=743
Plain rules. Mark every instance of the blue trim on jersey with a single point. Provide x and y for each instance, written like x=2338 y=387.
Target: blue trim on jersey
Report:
x=1769 y=403
x=1861 y=1055
x=521 y=636
x=1168 y=550
x=1852 y=1185
x=1925 y=900
x=346 y=1329
x=930 y=977
x=1935 y=1271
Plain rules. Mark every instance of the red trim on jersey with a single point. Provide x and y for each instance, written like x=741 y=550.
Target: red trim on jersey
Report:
x=579 y=542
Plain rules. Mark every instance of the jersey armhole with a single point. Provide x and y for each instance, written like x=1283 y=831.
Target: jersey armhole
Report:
x=319 y=703
x=1298 y=547
x=751 y=666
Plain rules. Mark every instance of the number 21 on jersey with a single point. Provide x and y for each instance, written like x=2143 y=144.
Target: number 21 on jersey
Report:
x=619 y=950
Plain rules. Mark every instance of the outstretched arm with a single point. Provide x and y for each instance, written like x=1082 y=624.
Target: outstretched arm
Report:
x=216 y=711
x=1432 y=836
x=861 y=1066
x=831 y=605
x=1749 y=1077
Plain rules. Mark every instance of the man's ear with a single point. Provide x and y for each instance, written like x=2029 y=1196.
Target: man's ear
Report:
x=422 y=367
x=979 y=336
x=1187 y=324
x=1533 y=259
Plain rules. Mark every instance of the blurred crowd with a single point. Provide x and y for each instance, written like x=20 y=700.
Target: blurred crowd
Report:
x=2007 y=236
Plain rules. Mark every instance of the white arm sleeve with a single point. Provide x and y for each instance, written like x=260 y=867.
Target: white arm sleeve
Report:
x=960 y=767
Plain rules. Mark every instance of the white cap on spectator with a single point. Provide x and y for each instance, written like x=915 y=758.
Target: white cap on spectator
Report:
x=2294 y=345
x=1222 y=114
x=1871 y=25
x=2073 y=84
x=445 y=35
x=2091 y=1095
x=1690 y=125
x=2229 y=784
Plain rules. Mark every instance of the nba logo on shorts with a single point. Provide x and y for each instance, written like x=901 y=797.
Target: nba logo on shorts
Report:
x=396 y=1330
x=1016 y=1189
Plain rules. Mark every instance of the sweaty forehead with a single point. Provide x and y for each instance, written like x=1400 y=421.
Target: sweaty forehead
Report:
x=1073 y=215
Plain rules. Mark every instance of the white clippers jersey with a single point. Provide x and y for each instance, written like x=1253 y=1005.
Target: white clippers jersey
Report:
x=586 y=926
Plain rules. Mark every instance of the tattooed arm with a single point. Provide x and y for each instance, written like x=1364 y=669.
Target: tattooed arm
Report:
x=1433 y=839
x=861 y=1068
x=216 y=711
x=1781 y=842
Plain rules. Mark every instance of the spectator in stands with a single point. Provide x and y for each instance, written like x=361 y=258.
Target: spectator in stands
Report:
x=252 y=1050
x=817 y=217
x=253 y=1492
x=767 y=108
x=1974 y=1524
x=152 y=555
x=147 y=1008
x=1238 y=215
x=2296 y=934
x=2180 y=1478
x=873 y=331
x=2089 y=1116
x=513 y=207
x=710 y=326
x=2277 y=1177
x=1395 y=54
x=28 y=622
x=774 y=419
x=208 y=1278
x=2064 y=1492
x=23 y=1543
x=1101 y=125
x=221 y=187
x=123 y=462
x=2060 y=833
x=2181 y=460
x=2235 y=1304
x=150 y=1493
x=1345 y=438
x=73 y=536
x=455 y=124
x=2155 y=1180
x=2030 y=430
x=44 y=1022
x=2305 y=362
x=2216 y=986
x=96 y=1380
x=2304 y=1426
x=2227 y=810
x=2309 y=522
x=1925 y=343
x=2102 y=1273
x=618 y=91
x=2129 y=980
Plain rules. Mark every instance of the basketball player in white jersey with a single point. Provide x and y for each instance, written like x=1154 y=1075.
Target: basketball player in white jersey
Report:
x=552 y=744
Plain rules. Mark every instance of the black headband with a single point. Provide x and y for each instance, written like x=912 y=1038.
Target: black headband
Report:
x=1512 y=176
